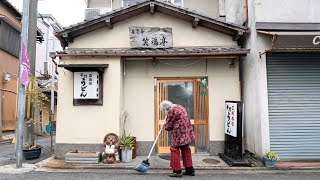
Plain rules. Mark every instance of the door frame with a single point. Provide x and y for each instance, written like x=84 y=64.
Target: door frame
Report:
x=157 y=103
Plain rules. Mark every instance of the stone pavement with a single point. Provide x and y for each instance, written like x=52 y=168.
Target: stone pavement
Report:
x=200 y=162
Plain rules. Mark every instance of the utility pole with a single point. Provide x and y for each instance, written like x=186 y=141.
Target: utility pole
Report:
x=32 y=42
x=21 y=87
x=53 y=56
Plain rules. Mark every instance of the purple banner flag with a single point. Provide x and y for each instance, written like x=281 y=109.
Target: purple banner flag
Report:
x=25 y=67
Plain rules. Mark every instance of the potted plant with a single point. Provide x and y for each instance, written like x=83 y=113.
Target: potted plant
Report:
x=34 y=105
x=126 y=148
x=123 y=120
x=270 y=159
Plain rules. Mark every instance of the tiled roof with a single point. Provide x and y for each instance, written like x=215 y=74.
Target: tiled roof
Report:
x=187 y=51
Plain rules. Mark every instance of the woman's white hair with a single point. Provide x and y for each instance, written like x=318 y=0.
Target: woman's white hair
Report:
x=165 y=106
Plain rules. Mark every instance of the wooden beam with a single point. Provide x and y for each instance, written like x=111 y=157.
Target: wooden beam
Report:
x=109 y=24
x=67 y=37
x=151 y=8
x=237 y=36
x=195 y=22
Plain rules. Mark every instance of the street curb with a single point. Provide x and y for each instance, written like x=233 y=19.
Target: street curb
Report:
x=74 y=166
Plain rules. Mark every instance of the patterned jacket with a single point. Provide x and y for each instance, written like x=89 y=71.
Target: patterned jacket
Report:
x=179 y=123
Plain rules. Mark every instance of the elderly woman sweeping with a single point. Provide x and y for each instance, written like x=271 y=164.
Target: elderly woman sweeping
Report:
x=178 y=122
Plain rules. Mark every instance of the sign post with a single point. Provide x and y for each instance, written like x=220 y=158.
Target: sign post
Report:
x=234 y=146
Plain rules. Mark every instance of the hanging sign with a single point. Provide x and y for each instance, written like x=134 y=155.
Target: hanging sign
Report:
x=150 y=37
x=86 y=85
x=25 y=67
x=203 y=86
x=231 y=119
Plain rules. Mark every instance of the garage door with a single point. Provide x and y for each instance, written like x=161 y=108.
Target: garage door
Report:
x=294 y=105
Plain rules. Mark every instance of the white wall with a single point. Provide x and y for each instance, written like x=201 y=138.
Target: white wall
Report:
x=254 y=90
x=295 y=11
x=183 y=33
x=139 y=83
x=234 y=11
x=89 y=124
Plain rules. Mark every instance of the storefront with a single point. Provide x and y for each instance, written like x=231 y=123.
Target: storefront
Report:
x=139 y=56
x=292 y=66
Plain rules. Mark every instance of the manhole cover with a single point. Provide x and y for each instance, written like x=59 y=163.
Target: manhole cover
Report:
x=167 y=157
x=211 y=161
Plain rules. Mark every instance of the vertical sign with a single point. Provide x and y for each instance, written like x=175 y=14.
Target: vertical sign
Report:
x=203 y=86
x=86 y=85
x=25 y=70
x=231 y=119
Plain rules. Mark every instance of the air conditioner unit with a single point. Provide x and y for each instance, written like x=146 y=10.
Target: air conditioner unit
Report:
x=95 y=12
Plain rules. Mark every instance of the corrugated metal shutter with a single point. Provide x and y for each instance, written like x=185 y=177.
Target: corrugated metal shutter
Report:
x=294 y=105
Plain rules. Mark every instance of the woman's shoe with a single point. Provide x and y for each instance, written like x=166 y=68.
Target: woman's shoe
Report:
x=178 y=175
x=189 y=173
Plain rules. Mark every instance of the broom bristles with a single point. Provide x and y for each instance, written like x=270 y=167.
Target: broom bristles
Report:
x=143 y=167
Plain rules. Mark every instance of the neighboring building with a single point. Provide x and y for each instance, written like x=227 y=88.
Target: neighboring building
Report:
x=48 y=25
x=10 y=29
x=192 y=59
x=280 y=77
x=9 y=62
x=212 y=8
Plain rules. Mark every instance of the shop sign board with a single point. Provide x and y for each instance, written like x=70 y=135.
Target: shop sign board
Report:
x=316 y=40
x=150 y=37
x=231 y=119
x=86 y=85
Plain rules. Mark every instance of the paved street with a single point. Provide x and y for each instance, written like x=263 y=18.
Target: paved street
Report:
x=123 y=174
x=7 y=157
x=7 y=152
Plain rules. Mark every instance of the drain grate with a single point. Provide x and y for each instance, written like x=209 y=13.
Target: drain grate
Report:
x=211 y=161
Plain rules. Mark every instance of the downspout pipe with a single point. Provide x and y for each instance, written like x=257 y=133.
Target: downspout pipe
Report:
x=245 y=13
x=2 y=104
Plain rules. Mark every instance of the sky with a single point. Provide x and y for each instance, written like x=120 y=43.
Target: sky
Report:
x=66 y=12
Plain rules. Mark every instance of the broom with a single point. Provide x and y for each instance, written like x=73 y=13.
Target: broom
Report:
x=144 y=166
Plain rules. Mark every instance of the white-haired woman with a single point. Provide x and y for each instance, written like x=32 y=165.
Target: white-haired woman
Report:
x=178 y=122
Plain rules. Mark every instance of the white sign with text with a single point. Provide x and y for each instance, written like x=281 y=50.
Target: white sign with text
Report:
x=231 y=119
x=86 y=85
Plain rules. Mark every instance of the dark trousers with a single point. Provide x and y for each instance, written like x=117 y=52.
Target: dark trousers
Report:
x=175 y=157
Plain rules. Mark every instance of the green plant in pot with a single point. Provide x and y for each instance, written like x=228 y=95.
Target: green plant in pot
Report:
x=126 y=147
x=270 y=159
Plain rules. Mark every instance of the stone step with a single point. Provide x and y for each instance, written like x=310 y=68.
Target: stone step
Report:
x=83 y=162
x=82 y=159
x=84 y=154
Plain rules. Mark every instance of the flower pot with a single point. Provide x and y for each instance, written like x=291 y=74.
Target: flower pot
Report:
x=270 y=163
x=126 y=155
x=30 y=154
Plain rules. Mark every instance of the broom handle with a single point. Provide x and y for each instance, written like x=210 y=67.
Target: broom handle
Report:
x=155 y=141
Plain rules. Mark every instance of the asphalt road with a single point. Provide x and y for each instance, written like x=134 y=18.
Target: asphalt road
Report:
x=7 y=152
x=249 y=175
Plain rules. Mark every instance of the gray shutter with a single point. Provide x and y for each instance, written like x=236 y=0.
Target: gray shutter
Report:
x=294 y=105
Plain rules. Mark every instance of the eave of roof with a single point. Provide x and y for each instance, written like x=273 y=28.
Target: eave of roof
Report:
x=67 y=34
x=12 y=8
x=171 y=52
